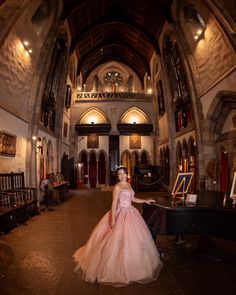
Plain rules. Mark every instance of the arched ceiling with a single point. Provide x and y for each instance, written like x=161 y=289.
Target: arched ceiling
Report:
x=125 y=31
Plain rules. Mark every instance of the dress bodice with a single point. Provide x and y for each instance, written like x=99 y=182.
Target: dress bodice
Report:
x=125 y=198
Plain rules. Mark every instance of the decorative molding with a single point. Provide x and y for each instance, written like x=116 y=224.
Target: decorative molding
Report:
x=65 y=130
x=85 y=129
x=129 y=129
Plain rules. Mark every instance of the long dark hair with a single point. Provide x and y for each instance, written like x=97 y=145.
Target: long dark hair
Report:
x=123 y=168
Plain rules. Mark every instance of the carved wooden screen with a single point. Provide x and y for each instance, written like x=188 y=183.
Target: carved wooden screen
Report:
x=180 y=94
x=50 y=96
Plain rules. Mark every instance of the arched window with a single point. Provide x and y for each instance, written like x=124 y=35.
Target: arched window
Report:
x=181 y=100
x=40 y=16
x=84 y=161
x=144 y=158
x=160 y=98
x=51 y=92
x=195 y=22
x=102 y=169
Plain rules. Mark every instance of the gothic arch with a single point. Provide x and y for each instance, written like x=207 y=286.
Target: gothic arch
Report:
x=92 y=169
x=218 y=112
x=83 y=159
x=65 y=166
x=102 y=167
x=105 y=154
x=178 y=157
x=191 y=145
x=136 y=114
x=125 y=159
x=81 y=154
x=94 y=115
x=184 y=148
x=145 y=157
x=93 y=152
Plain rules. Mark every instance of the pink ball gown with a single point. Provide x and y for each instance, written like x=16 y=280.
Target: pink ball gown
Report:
x=120 y=255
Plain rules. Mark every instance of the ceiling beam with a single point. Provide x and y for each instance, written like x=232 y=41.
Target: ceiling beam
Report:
x=110 y=43
x=109 y=20
x=102 y=60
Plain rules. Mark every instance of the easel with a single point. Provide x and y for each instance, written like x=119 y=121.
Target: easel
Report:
x=182 y=183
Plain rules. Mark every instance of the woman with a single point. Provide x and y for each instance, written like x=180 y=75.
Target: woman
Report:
x=120 y=249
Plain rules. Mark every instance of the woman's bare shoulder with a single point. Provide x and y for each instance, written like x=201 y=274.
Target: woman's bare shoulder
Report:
x=117 y=186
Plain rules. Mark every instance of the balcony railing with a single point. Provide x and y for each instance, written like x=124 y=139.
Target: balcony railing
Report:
x=113 y=96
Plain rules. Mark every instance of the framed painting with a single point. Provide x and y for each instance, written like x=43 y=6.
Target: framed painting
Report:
x=7 y=144
x=135 y=142
x=93 y=141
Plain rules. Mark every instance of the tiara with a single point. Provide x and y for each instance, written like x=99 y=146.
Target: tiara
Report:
x=121 y=166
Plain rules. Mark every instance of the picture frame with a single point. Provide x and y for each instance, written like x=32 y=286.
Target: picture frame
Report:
x=135 y=141
x=7 y=144
x=233 y=188
x=93 y=141
x=182 y=183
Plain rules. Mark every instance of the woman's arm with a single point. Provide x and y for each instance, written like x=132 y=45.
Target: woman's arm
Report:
x=148 y=201
x=114 y=204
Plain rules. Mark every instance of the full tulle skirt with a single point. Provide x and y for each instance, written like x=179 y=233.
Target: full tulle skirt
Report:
x=120 y=255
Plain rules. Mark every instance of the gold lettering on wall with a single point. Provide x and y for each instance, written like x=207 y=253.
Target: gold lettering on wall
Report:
x=7 y=144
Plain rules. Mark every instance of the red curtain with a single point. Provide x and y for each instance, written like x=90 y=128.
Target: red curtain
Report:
x=93 y=171
x=85 y=165
x=101 y=169
x=224 y=173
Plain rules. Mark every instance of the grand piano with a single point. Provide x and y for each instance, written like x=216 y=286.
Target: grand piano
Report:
x=213 y=215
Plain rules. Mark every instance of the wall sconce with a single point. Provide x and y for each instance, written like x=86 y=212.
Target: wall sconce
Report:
x=133 y=120
x=27 y=46
x=197 y=34
x=92 y=122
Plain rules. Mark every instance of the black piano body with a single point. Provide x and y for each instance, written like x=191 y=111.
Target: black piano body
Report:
x=213 y=215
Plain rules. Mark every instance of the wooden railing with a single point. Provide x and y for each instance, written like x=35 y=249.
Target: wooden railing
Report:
x=17 y=202
x=113 y=96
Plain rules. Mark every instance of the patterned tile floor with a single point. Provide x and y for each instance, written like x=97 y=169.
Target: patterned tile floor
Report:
x=35 y=258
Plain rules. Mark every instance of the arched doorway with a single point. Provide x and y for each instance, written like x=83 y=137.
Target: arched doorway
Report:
x=126 y=161
x=65 y=166
x=92 y=170
x=102 y=169
x=84 y=161
x=144 y=159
